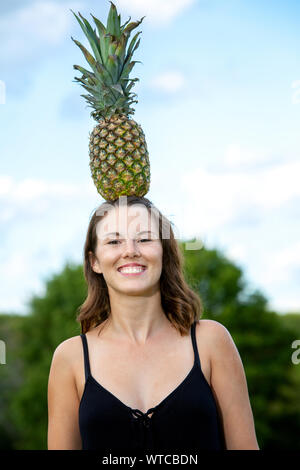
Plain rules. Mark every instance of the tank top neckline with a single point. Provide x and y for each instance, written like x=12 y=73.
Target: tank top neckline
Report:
x=136 y=411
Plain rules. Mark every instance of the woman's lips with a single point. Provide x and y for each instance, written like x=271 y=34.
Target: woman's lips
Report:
x=133 y=274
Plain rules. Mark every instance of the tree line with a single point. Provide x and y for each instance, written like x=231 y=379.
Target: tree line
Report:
x=263 y=337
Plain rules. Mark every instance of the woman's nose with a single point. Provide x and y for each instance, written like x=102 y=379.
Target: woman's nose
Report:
x=131 y=247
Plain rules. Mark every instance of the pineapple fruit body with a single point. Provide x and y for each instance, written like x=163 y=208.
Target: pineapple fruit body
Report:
x=119 y=159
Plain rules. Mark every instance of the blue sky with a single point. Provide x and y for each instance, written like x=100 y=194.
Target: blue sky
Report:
x=219 y=102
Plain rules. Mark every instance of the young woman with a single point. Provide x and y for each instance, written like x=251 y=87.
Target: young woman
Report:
x=146 y=373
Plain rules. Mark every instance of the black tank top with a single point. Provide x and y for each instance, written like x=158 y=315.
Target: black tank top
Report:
x=187 y=419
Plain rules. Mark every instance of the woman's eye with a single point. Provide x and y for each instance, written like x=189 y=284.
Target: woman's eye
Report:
x=142 y=240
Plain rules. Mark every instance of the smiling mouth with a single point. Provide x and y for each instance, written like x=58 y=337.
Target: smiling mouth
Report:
x=132 y=271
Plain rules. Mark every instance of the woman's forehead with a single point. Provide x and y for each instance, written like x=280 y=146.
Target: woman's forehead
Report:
x=128 y=221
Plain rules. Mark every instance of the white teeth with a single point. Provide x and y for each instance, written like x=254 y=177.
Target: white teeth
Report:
x=131 y=270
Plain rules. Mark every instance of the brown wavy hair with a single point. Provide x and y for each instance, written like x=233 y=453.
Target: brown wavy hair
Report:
x=182 y=306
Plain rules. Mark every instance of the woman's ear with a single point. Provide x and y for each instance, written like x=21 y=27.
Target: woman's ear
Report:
x=94 y=263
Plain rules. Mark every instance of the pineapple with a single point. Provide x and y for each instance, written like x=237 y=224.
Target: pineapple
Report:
x=119 y=160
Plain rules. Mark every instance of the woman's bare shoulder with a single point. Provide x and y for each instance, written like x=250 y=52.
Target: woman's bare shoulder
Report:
x=212 y=327
x=218 y=335
x=211 y=332
x=68 y=351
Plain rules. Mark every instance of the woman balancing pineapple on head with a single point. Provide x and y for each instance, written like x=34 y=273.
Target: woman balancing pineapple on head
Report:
x=146 y=374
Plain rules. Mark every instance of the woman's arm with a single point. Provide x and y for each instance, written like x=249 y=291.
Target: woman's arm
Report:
x=229 y=385
x=63 y=401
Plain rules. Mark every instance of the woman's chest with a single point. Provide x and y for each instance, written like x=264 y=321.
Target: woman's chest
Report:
x=142 y=378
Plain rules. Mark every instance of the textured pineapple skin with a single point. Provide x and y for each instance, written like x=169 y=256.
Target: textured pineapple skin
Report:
x=119 y=159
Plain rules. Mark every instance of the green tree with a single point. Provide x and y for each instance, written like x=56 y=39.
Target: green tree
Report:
x=51 y=321
x=10 y=376
x=263 y=340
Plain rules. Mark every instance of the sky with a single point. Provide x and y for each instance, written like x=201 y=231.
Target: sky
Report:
x=219 y=102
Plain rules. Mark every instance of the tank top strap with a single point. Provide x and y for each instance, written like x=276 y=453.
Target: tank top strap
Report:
x=87 y=369
x=193 y=334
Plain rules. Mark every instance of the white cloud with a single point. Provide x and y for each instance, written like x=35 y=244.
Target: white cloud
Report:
x=16 y=265
x=33 y=27
x=236 y=156
x=34 y=197
x=5 y=184
x=169 y=82
x=156 y=11
x=237 y=252
x=222 y=204
x=280 y=266
x=224 y=195
x=41 y=224
x=31 y=189
x=285 y=303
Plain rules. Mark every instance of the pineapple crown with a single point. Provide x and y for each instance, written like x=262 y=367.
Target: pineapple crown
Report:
x=108 y=84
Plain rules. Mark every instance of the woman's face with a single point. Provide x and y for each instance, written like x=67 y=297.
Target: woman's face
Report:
x=129 y=235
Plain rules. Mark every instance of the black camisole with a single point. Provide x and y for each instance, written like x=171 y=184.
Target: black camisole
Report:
x=186 y=420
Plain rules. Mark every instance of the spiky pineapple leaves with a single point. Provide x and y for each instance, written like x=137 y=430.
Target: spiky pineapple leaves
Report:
x=118 y=88
x=109 y=84
x=113 y=21
x=90 y=59
x=91 y=36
